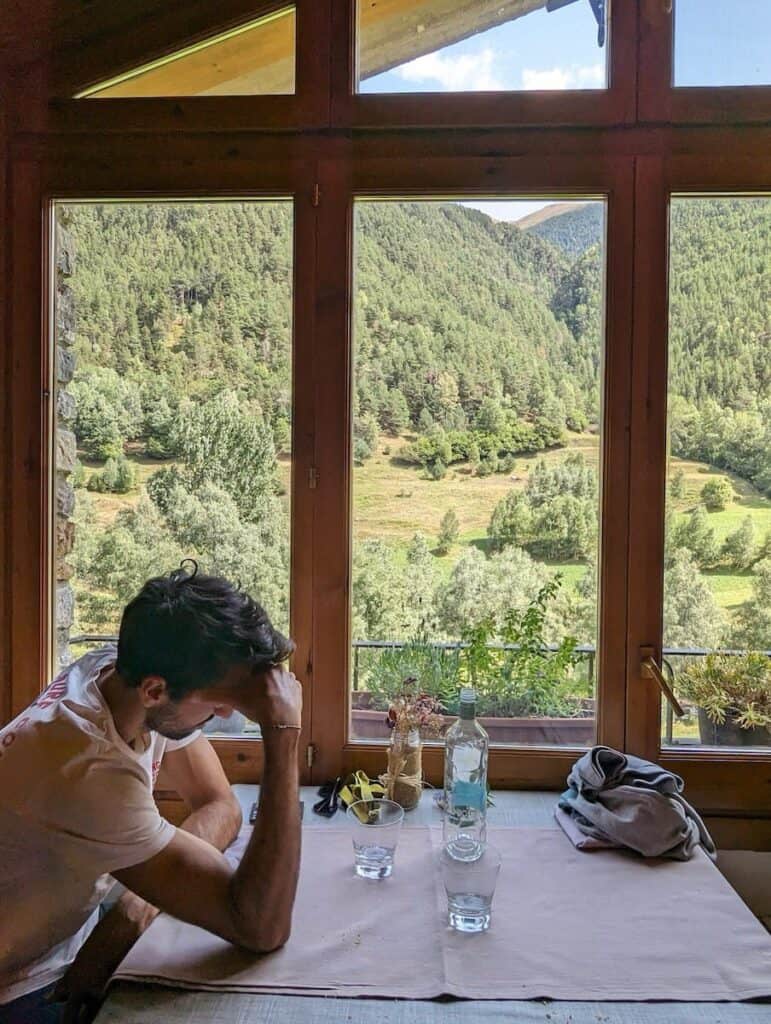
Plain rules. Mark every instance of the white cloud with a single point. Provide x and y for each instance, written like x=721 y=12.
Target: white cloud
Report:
x=591 y=76
x=465 y=73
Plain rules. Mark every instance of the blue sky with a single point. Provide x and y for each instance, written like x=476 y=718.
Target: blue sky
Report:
x=722 y=42
x=538 y=51
x=718 y=42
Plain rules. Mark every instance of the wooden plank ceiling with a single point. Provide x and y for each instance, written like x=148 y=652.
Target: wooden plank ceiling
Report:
x=257 y=60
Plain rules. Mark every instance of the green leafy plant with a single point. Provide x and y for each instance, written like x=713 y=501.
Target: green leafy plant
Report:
x=435 y=668
x=520 y=676
x=729 y=687
x=512 y=668
x=449 y=528
x=717 y=494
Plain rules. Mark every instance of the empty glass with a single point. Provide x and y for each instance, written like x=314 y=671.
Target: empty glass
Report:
x=470 y=885
x=375 y=826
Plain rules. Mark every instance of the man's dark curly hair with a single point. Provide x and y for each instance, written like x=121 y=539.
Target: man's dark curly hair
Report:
x=190 y=629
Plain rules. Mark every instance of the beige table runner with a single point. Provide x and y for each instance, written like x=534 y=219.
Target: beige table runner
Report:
x=566 y=925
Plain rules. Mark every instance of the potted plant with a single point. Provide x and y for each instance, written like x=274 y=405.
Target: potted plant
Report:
x=526 y=687
x=526 y=691
x=733 y=697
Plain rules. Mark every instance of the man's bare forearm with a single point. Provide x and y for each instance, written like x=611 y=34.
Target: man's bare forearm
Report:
x=218 y=823
x=264 y=886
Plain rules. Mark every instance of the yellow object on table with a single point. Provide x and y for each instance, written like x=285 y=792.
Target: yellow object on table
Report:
x=358 y=786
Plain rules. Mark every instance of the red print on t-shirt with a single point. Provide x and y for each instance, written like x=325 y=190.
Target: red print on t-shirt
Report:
x=52 y=693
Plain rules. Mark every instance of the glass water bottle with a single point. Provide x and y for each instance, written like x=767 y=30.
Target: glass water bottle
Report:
x=465 y=783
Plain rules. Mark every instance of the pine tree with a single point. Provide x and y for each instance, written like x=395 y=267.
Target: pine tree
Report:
x=677 y=485
x=449 y=528
x=739 y=547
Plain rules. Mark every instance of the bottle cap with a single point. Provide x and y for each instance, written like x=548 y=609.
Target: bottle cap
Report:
x=467 y=707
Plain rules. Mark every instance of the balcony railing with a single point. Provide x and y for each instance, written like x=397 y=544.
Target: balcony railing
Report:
x=588 y=652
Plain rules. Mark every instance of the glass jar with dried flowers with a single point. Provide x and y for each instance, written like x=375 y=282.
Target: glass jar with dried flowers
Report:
x=412 y=715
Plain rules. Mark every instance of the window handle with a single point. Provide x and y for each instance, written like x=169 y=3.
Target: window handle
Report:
x=649 y=669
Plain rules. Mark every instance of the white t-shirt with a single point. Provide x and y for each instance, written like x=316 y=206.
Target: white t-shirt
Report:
x=75 y=805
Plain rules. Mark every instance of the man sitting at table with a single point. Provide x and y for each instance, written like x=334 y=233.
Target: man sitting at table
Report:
x=77 y=770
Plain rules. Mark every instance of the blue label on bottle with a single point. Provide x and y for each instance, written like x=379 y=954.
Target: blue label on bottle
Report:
x=469 y=794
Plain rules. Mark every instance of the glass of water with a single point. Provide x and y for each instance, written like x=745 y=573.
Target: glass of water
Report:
x=470 y=885
x=375 y=826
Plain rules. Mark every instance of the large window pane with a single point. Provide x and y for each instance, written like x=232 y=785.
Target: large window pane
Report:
x=478 y=347
x=719 y=43
x=480 y=45
x=254 y=59
x=718 y=554
x=173 y=348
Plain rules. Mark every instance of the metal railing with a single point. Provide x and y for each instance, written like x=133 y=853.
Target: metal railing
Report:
x=589 y=651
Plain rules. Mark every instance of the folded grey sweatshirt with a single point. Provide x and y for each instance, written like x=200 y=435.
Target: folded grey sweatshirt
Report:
x=623 y=801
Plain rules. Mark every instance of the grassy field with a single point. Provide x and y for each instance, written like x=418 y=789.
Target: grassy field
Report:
x=730 y=588
x=392 y=501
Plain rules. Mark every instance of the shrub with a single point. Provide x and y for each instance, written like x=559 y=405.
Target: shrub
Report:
x=524 y=677
x=717 y=494
x=730 y=687
x=117 y=477
x=677 y=485
x=739 y=547
x=436 y=470
x=448 y=532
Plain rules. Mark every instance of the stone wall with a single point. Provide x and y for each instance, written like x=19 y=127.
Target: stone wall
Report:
x=65 y=453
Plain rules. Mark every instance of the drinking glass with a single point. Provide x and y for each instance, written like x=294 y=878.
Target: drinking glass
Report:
x=470 y=885
x=375 y=826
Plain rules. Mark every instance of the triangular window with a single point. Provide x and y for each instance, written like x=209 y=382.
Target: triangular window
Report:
x=254 y=59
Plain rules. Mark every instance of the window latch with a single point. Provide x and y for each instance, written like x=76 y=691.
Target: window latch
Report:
x=650 y=669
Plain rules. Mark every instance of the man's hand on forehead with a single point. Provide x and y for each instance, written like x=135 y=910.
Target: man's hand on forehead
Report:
x=273 y=698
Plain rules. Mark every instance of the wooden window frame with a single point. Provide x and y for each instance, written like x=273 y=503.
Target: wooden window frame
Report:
x=661 y=100
x=68 y=73
x=215 y=146
x=119 y=169
x=612 y=105
x=611 y=177
x=725 y=783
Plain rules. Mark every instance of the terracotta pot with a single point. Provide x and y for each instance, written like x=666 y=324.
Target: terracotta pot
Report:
x=561 y=732
x=729 y=734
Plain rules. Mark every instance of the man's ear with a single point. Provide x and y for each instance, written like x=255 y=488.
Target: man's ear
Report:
x=153 y=691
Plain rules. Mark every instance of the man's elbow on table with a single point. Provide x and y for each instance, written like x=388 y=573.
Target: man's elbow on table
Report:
x=259 y=935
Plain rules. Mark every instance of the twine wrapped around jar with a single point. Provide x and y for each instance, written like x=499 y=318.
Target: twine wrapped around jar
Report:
x=403 y=779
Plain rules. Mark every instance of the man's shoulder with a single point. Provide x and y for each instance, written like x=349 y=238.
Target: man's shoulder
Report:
x=67 y=739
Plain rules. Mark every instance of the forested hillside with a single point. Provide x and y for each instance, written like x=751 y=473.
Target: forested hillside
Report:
x=477 y=358
x=720 y=330
x=573 y=231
